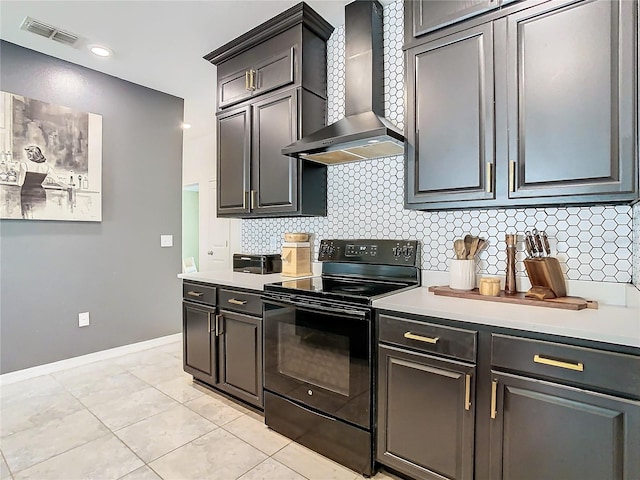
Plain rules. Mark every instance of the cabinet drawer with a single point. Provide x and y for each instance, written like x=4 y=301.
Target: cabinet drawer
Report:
x=240 y=302
x=429 y=337
x=616 y=372
x=196 y=292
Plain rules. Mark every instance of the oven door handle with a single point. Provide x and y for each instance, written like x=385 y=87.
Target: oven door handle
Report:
x=345 y=312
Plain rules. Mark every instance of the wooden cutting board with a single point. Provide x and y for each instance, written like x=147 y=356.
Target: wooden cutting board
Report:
x=566 y=303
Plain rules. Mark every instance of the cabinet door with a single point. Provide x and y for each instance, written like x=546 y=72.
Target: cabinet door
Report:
x=275 y=72
x=425 y=415
x=234 y=151
x=199 y=347
x=545 y=430
x=430 y=15
x=240 y=356
x=571 y=99
x=234 y=88
x=274 y=181
x=451 y=119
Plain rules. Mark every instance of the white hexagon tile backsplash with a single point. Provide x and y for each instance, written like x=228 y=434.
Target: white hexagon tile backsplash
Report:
x=365 y=200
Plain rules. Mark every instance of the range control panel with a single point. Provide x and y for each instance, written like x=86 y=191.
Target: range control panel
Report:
x=386 y=252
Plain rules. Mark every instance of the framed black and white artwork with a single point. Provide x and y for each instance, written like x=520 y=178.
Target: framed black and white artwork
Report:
x=50 y=161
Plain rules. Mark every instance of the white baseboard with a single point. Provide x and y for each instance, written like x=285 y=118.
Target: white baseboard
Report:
x=19 y=375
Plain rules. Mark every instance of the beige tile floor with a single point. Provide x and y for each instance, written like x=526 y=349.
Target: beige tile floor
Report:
x=140 y=417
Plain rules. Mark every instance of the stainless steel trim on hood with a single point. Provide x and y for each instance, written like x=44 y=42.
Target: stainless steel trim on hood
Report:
x=364 y=133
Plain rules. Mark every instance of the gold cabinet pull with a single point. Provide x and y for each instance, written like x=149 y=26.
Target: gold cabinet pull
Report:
x=577 y=366
x=195 y=294
x=246 y=80
x=494 y=400
x=244 y=200
x=489 y=186
x=209 y=322
x=254 y=198
x=237 y=302
x=218 y=318
x=420 y=338
x=512 y=176
x=467 y=392
x=252 y=85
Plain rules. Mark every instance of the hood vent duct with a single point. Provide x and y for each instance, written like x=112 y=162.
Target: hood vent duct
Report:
x=363 y=133
x=40 y=28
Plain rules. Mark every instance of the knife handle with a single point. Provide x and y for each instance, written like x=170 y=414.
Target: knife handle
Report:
x=527 y=245
x=545 y=241
x=530 y=244
x=538 y=238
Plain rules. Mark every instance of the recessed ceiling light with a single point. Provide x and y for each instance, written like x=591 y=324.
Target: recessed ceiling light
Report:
x=100 y=51
x=186 y=125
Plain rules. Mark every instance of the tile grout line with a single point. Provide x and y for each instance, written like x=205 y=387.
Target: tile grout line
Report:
x=124 y=369
x=105 y=426
x=85 y=407
x=6 y=463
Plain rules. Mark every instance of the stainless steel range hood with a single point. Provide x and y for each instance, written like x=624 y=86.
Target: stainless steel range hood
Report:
x=364 y=133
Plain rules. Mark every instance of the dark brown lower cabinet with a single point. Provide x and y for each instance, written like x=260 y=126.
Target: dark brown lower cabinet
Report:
x=469 y=401
x=425 y=415
x=545 y=430
x=240 y=356
x=199 y=342
x=222 y=335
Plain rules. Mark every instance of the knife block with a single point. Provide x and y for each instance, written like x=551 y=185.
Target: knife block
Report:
x=545 y=275
x=296 y=259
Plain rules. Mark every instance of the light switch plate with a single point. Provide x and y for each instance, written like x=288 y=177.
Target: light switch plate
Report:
x=166 y=240
x=83 y=319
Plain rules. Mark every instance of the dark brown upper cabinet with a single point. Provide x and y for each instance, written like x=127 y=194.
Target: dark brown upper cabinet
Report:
x=272 y=73
x=254 y=178
x=288 y=50
x=430 y=15
x=451 y=131
x=571 y=99
x=272 y=86
x=532 y=104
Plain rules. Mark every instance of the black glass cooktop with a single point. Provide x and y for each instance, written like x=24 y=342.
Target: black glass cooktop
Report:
x=362 y=291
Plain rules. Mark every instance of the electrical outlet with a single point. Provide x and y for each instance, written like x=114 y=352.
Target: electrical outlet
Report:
x=166 y=240
x=83 y=319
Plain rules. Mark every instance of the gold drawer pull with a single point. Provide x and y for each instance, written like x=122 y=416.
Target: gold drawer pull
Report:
x=494 y=399
x=512 y=176
x=578 y=366
x=467 y=392
x=237 y=302
x=195 y=294
x=420 y=338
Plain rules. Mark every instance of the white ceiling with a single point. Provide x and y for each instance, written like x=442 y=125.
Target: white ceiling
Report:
x=158 y=44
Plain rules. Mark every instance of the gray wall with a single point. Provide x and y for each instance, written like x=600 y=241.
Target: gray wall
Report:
x=51 y=270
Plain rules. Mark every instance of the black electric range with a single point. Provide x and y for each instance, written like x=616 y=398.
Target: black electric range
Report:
x=319 y=343
x=358 y=271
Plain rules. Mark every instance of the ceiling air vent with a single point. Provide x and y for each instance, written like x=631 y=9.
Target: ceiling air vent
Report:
x=44 y=30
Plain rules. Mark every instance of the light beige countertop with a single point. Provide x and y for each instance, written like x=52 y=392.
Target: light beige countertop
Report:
x=619 y=325
x=611 y=324
x=251 y=281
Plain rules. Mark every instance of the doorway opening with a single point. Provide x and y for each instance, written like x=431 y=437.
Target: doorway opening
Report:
x=190 y=222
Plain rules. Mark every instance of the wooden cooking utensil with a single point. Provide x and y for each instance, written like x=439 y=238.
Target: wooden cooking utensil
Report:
x=459 y=248
x=468 y=240
x=473 y=249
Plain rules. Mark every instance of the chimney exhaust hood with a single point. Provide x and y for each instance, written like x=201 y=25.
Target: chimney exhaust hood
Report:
x=363 y=133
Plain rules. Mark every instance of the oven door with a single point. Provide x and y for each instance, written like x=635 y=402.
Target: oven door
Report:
x=320 y=357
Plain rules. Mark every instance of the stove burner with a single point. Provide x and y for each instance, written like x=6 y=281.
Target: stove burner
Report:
x=351 y=288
